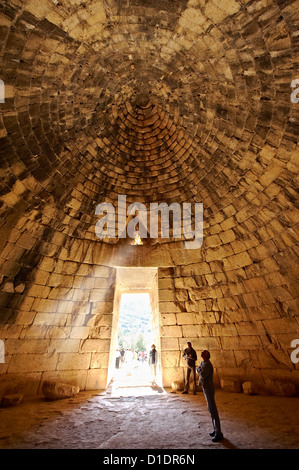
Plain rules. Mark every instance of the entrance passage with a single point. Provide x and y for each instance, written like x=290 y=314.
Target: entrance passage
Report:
x=135 y=338
x=135 y=329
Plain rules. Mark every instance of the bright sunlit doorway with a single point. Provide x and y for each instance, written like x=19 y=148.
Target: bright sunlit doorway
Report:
x=135 y=329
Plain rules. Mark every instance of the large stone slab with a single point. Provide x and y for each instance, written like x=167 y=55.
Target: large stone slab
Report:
x=251 y=388
x=58 y=390
x=178 y=385
x=12 y=400
x=281 y=388
x=230 y=385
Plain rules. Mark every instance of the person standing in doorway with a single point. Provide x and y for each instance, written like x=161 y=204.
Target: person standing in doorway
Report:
x=205 y=371
x=152 y=360
x=191 y=357
x=122 y=356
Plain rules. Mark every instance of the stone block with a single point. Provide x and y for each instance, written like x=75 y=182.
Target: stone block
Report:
x=12 y=400
x=99 y=360
x=171 y=331
x=26 y=384
x=178 y=386
x=191 y=331
x=281 y=388
x=96 y=379
x=73 y=361
x=250 y=388
x=25 y=346
x=172 y=374
x=169 y=344
x=79 y=332
x=57 y=390
x=22 y=363
x=73 y=377
x=168 y=319
x=230 y=385
x=170 y=358
x=166 y=283
x=166 y=294
x=50 y=319
x=64 y=345
x=168 y=307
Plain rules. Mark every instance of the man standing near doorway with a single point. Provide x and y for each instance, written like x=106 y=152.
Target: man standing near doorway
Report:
x=205 y=371
x=191 y=357
x=122 y=356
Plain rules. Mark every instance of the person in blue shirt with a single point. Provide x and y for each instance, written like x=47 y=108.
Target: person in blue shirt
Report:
x=205 y=371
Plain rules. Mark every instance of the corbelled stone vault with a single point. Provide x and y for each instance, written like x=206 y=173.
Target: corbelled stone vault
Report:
x=159 y=101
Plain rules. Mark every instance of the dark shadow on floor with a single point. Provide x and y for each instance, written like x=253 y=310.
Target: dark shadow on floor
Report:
x=228 y=444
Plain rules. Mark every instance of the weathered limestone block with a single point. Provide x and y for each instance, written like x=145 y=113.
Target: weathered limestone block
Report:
x=166 y=283
x=191 y=331
x=96 y=379
x=166 y=294
x=168 y=319
x=171 y=331
x=199 y=344
x=180 y=294
x=58 y=390
x=99 y=360
x=169 y=307
x=22 y=363
x=12 y=400
x=186 y=318
x=79 y=332
x=170 y=344
x=170 y=358
x=50 y=319
x=100 y=332
x=250 y=388
x=281 y=388
x=185 y=282
x=240 y=260
x=229 y=385
x=172 y=374
x=64 y=345
x=178 y=386
x=73 y=361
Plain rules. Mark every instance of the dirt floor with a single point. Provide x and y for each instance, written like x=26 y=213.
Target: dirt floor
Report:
x=141 y=415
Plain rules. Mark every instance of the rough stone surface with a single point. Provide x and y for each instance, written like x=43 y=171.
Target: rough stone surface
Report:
x=281 y=388
x=58 y=390
x=99 y=420
x=178 y=386
x=250 y=388
x=12 y=400
x=230 y=385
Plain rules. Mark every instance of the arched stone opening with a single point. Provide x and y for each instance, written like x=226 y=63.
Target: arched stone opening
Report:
x=136 y=281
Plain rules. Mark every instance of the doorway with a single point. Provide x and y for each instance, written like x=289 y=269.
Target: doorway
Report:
x=135 y=328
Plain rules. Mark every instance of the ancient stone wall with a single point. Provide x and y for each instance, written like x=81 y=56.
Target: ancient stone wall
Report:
x=62 y=328
x=160 y=101
x=248 y=329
